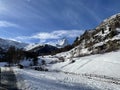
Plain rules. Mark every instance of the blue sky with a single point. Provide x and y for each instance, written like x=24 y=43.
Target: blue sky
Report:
x=46 y=21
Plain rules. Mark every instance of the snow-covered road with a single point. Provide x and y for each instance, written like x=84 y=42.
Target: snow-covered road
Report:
x=36 y=80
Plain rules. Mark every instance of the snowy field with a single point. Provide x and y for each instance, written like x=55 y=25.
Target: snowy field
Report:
x=95 y=72
x=107 y=64
x=36 y=80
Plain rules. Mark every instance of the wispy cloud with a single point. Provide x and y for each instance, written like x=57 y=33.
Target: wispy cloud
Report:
x=46 y=37
x=58 y=34
x=13 y=39
x=7 y=24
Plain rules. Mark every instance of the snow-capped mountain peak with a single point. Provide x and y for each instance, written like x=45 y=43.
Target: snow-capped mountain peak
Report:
x=62 y=43
x=112 y=17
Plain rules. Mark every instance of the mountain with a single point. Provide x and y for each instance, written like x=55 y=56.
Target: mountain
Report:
x=32 y=46
x=62 y=43
x=104 y=38
x=5 y=44
x=58 y=44
x=43 y=49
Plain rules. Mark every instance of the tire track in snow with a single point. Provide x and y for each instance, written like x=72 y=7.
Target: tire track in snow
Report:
x=98 y=77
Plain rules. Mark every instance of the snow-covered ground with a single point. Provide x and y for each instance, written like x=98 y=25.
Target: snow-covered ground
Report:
x=101 y=64
x=95 y=72
x=36 y=80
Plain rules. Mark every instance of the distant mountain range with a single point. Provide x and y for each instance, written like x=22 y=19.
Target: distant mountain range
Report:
x=5 y=44
x=38 y=48
x=43 y=49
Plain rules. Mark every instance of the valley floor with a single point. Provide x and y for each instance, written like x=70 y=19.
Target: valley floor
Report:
x=36 y=80
x=94 y=72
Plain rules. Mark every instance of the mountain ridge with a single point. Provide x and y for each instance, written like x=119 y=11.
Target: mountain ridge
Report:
x=6 y=43
x=104 y=38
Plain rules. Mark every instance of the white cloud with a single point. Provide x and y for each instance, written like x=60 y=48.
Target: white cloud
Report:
x=13 y=39
x=46 y=37
x=58 y=34
x=7 y=24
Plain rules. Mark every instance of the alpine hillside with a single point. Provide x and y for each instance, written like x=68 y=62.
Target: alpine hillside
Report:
x=104 y=38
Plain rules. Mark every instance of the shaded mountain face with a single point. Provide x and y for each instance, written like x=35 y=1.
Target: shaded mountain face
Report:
x=104 y=38
x=44 y=49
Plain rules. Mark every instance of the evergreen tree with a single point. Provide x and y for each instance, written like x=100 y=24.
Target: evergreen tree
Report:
x=10 y=55
x=13 y=55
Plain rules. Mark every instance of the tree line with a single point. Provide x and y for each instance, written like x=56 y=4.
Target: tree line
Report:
x=14 y=55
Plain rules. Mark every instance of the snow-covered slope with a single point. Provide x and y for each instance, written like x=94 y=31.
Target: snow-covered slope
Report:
x=99 y=65
x=95 y=72
x=32 y=46
x=111 y=19
x=102 y=39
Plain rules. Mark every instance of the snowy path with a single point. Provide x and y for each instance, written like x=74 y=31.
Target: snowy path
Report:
x=7 y=79
x=36 y=80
